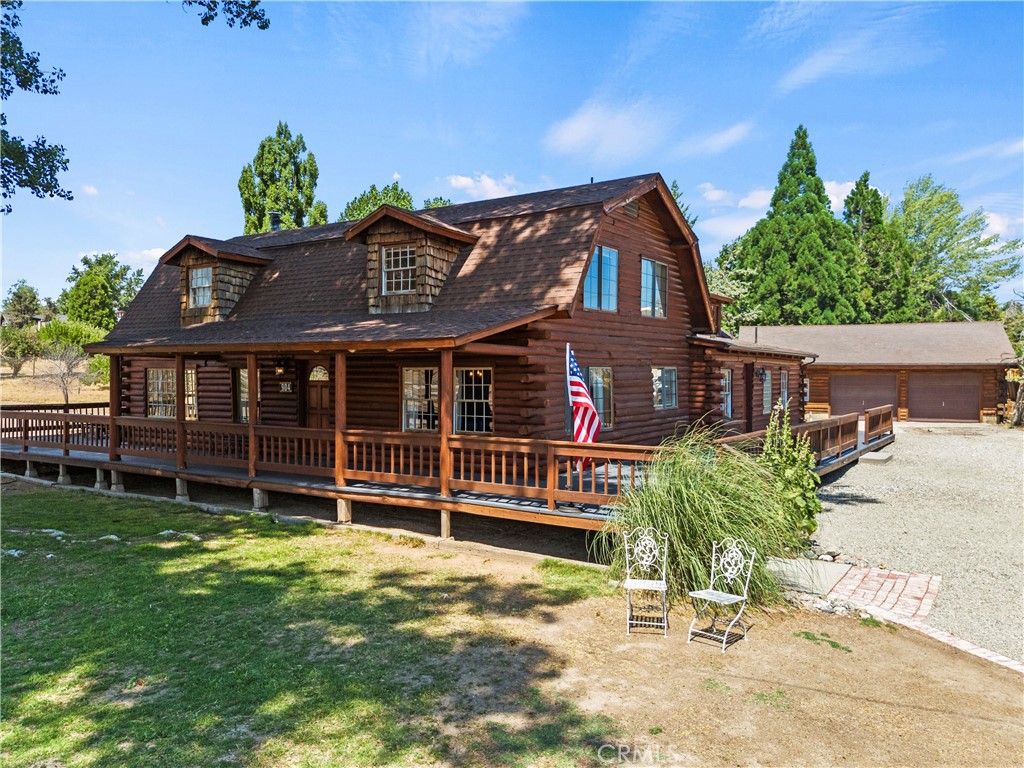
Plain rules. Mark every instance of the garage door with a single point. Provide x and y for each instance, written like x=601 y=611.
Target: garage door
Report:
x=856 y=392
x=943 y=396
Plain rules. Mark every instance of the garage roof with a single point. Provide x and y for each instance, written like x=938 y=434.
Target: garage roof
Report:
x=903 y=344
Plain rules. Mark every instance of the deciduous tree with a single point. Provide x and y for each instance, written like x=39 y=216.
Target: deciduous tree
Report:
x=282 y=177
x=123 y=281
x=437 y=202
x=373 y=198
x=22 y=304
x=17 y=347
x=91 y=301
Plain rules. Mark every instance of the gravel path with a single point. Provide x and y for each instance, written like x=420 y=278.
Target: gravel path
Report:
x=951 y=502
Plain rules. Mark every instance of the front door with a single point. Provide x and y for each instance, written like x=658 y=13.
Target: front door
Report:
x=319 y=403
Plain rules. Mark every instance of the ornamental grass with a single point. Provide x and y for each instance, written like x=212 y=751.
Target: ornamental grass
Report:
x=699 y=493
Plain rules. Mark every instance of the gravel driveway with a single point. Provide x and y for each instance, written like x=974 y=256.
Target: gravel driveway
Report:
x=951 y=502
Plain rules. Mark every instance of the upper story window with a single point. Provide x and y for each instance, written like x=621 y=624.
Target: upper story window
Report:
x=419 y=399
x=766 y=393
x=474 y=400
x=200 y=286
x=601 y=285
x=664 y=387
x=399 y=267
x=653 y=288
x=599 y=381
x=727 y=393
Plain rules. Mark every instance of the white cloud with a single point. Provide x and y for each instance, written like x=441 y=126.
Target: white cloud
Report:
x=146 y=259
x=396 y=176
x=715 y=143
x=997 y=224
x=712 y=194
x=727 y=227
x=90 y=190
x=757 y=199
x=458 y=33
x=785 y=20
x=837 y=192
x=997 y=150
x=607 y=134
x=483 y=187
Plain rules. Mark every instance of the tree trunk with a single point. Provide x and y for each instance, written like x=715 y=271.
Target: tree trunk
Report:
x=1017 y=416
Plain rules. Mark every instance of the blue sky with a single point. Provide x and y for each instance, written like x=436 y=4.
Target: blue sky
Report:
x=159 y=114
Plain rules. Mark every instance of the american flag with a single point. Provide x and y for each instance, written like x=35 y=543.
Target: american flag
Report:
x=586 y=424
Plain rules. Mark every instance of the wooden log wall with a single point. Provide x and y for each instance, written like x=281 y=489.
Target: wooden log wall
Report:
x=737 y=364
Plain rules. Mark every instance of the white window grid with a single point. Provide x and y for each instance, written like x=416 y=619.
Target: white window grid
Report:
x=653 y=287
x=727 y=393
x=766 y=393
x=242 y=395
x=474 y=395
x=664 y=387
x=784 y=387
x=599 y=381
x=399 y=262
x=161 y=400
x=191 y=395
x=419 y=399
x=200 y=286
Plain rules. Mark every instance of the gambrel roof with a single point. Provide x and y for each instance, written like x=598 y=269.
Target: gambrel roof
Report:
x=520 y=258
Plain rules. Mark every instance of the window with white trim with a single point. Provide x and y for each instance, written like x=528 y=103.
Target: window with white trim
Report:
x=474 y=395
x=599 y=382
x=784 y=388
x=664 y=380
x=727 y=393
x=162 y=398
x=200 y=286
x=398 y=268
x=242 y=395
x=653 y=288
x=419 y=399
x=601 y=285
x=191 y=395
x=766 y=392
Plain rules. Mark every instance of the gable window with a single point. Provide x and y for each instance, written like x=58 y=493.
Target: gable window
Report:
x=242 y=395
x=474 y=400
x=399 y=266
x=162 y=398
x=784 y=387
x=727 y=393
x=419 y=399
x=601 y=285
x=664 y=387
x=200 y=286
x=599 y=380
x=653 y=288
x=766 y=393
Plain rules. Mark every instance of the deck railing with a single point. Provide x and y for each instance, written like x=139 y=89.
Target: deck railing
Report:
x=90 y=409
x=539 y=469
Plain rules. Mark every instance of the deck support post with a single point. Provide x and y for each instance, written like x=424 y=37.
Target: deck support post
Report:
x=114 y=440
x=344 y=511
x=340 y=424
x=179 y=409
x=63 y=478
x=446 y=524
x=30 y=470
x=254 y=391
x=181 y=490
x=101 y=480
x=117 y=481
x=447 y=387
x=260 y=500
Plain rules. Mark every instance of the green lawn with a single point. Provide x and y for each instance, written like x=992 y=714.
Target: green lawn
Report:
x=263 y=644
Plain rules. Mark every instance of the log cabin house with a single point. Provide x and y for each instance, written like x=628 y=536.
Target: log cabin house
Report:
x=418 y=358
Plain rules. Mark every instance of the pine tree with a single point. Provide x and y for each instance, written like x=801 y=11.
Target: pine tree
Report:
x=803 y=260
x=884 y=256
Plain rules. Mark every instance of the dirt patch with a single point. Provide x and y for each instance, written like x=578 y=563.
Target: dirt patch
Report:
x=31 y=387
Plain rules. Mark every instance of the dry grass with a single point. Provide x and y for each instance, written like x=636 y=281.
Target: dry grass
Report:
x=30 y=387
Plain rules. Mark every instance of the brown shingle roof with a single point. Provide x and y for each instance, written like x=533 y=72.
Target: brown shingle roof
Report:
x=529 y=256
x=980 y=343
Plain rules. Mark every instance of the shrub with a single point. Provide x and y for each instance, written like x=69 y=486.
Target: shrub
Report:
x=17 y=347
x=791 y=461
x=97 y=371
x=70 y=333
x=699 y=493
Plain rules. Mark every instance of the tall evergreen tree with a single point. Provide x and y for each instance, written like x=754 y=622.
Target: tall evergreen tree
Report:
x=282 y=177
x=884 y=256
x=803 y=261
x=22 y=304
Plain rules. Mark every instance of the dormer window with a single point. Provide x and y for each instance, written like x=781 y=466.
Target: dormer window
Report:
x=200 y=287
x=399 y=269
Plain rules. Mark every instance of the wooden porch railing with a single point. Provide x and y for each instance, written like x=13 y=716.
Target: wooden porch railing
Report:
x=90 y=409
x=537 y=469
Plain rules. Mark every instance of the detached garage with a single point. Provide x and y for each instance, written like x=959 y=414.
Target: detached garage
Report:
x=927 y=371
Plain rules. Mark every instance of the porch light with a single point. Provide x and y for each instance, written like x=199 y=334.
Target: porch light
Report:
x=279 y=367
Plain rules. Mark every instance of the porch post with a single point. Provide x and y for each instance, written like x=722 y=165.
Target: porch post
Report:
x=447 y=387
x=254 y=383
x=179 y=407
x=340 y=419
x=114 y=438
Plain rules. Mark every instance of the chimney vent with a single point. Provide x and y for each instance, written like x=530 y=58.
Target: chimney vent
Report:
x=275 y=221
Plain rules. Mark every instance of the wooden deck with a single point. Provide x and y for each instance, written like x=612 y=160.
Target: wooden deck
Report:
x=529 y=480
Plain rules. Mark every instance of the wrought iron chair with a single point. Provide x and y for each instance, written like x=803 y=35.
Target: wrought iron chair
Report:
x=732 y=562
x=646 y=563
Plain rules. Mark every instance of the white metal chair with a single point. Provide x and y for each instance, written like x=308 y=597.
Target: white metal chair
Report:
x=732 y=562
x=646 y=563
